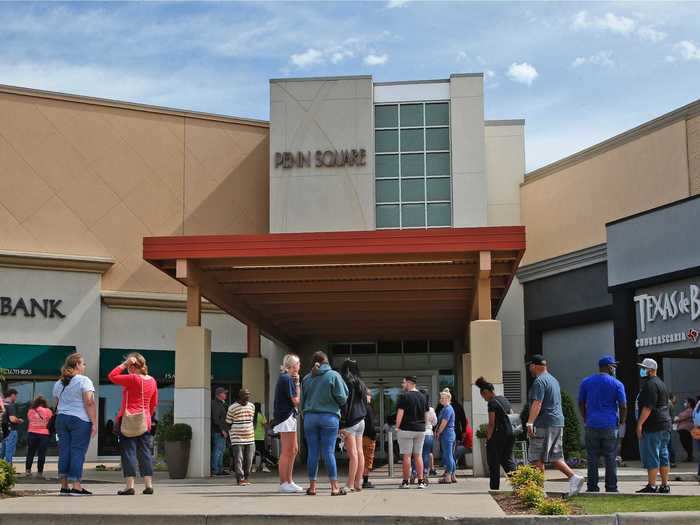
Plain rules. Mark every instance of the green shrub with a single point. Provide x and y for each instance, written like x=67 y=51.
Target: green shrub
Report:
x=178 y=432
x=481 y=432
x=524 y=475
x=553 y=507
x=531 y=494
x=8 y=477
x=572 y=426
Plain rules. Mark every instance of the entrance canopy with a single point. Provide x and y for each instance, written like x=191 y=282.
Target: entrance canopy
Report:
x=366 y=285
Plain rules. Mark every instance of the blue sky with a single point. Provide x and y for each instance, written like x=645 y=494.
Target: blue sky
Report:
x=577 y=72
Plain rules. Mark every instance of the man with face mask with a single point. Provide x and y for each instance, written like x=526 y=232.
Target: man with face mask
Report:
x=603 y=405
x=653 y=427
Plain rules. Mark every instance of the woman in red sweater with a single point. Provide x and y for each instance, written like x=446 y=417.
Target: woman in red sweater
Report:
x=39 y=416
x=139 y=403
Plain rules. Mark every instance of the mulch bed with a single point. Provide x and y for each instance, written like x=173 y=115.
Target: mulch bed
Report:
x=22 y=493
x=512 y=505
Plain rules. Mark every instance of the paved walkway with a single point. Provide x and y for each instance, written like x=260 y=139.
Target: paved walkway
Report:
x=220 y=497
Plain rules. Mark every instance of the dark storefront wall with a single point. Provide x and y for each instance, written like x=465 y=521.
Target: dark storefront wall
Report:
x=227 y=370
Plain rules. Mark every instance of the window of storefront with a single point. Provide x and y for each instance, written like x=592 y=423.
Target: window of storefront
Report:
x=226 y=371
x=32 y=370
x=412 y=165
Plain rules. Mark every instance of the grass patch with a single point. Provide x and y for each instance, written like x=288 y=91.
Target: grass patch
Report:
x=630 y=503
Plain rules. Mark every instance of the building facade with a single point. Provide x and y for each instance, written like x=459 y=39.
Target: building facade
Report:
x=83 y=181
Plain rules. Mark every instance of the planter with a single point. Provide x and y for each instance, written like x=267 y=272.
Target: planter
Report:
x=484 y=461
x=177 y=456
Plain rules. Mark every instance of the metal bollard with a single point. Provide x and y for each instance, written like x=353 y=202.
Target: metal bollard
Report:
x=390 y=446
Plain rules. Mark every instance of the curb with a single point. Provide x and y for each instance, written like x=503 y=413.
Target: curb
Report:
x=668 y=518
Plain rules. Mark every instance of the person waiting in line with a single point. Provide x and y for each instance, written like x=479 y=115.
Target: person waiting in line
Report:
x=696 y=438
x=369 y=444
x=11 y=424
x=684 y=422
x=76 y=423
x=39 y=416
x=219 y=431
x=603 y=405
x=430 y=422
x=545 y=424
x=352 y=423
x=445 y=433
x=499 y=433
x=323 y=394
x=461 y=422
x=672 y=402
x=260 y=423
x=240 y=417
x=138 y=405
x=287 y=398
x=653 y=428
x=410 y=422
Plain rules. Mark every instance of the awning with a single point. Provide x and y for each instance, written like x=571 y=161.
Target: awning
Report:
x=226 y=367
x=33 y=360
x=384 y=284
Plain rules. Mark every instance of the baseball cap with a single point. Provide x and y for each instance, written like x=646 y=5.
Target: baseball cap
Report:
x=607 y=360
x=649 y=363
x=220 y=390
x=412 y=379
x=537 y=359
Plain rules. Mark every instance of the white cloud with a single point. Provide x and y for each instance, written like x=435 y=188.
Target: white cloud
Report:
x=601 y=58
x=617 y=24
x=651 y=34
x=581 y=20
x=670 y=58
x=340 y=55
x=393 y=4
x=523 y=73
x=307 y=59
x=376 y=60
x=462 y=56
x=489 y=73
x=688 y=50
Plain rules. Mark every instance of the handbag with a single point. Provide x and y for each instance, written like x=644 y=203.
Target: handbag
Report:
x=134 y=424
x=516 y=424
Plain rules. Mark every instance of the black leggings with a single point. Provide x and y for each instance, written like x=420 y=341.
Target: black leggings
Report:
x=36 y=443
x=687 y=442
x=499 y=453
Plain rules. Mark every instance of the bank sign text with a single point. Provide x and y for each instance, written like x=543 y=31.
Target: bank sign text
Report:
x=47 y=308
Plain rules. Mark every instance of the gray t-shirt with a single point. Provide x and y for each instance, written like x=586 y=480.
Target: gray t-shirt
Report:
x=545 y=388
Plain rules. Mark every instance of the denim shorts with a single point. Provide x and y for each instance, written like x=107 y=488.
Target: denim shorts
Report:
x=358 y=429
x=653 y=449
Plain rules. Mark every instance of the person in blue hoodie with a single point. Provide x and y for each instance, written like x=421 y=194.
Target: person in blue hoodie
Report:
x=323 y=393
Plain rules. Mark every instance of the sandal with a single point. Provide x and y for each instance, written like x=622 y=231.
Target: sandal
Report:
x=341 y=492
x=310 y=492
x=444 y=481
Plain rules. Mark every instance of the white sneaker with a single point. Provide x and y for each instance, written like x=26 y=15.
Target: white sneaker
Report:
x=296 y=487
x=265 y=469
x=575 y=485
x=287 y=488
x=253 y=468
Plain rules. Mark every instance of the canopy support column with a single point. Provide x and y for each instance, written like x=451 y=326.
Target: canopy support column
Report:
x=255 y=370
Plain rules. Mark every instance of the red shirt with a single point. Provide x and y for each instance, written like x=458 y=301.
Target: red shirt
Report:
x=39 y=420
x=140 y=391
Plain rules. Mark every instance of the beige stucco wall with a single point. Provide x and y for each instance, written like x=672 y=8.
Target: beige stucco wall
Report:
x=693 y=129
x=505 y=170
x=567 y=210
x=86 y=179
x=321 y=114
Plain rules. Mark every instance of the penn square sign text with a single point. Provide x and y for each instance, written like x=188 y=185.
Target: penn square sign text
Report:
x=331 y=158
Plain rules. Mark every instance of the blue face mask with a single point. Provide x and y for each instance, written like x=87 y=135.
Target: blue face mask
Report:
x=642 y=372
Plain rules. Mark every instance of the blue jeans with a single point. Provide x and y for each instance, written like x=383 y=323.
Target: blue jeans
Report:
x=447 y=443
x=653 y=449
x=321 y=430
x=601 y=442
x=9 y=446
x=427 y=450
x=136 y=451
x=73 y=440
x=218 y=445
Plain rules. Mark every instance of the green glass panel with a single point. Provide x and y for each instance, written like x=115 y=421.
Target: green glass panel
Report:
x=388 y=216
x=411 y=140
x=437 y=139
x=412 y=165
x=413 y=215
x=439 y=189
x=227 y=367
x=437 y=114
x=387 y=191
x=412 y=190
x=439 y=215
x=386 y=141
x=437 y=164
x=386 y=166
x=411 y=115
x=386 y=116
x=33 y=360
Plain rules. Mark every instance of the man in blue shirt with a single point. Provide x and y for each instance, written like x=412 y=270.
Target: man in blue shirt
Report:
x=603 y=405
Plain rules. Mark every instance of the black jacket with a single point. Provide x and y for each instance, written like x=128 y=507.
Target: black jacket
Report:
x=218 y=416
